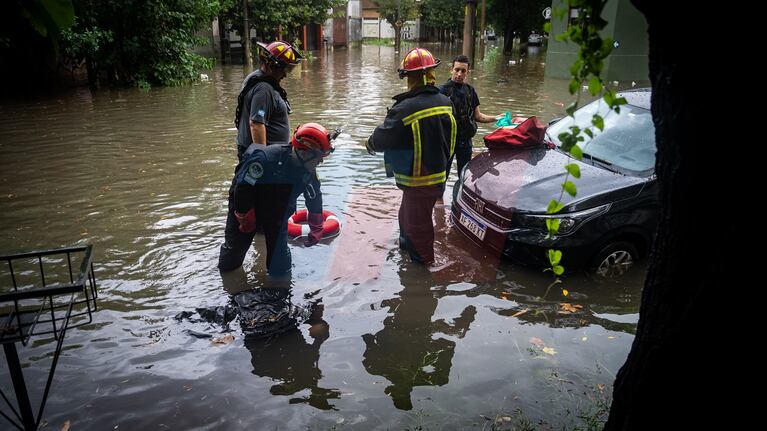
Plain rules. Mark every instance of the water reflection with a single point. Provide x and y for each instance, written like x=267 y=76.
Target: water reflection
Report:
x=293 y=362
x=412 y=350
x=277 y=346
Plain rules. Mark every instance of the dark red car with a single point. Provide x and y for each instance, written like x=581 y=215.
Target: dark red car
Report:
x=501 y=200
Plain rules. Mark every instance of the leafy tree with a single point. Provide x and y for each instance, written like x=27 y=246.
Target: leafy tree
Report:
x=139 y=42
x=443 y=15
x=269 y=18
x=518 y=17
x=396 y=12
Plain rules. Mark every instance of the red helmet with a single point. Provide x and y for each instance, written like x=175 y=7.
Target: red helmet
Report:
x=417 y=59
x=281 y=53
x=314 y=137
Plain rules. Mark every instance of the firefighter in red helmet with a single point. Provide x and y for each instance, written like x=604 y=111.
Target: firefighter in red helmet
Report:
x=417 y=138
x=267 y=182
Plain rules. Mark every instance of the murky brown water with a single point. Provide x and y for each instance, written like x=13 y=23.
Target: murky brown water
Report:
x=143 y=176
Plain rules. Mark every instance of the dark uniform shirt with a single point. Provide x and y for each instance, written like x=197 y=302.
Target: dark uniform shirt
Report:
x=465 y=101
x=263 y=104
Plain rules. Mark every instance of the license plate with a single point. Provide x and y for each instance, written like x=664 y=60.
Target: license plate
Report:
x=475 y=227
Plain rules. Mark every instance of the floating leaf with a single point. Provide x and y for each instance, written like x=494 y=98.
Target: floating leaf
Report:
x=549 y=351
x=226 y=339
x=558 y=269
x=520 y=312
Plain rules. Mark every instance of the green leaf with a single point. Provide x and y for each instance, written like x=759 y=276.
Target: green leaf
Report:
x=571 y=109
x=595 y=85
x=574 y=84
x=589 y=132
x=555 y=256
x=576 y=152
x=552 y=225
x=570 y=188
x=547 y=27
x=558 y=269
x=573 y=169
x=598 y=122
x=554 y=207
x=620 y=101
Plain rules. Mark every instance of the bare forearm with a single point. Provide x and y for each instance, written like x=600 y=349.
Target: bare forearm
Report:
x=258 y=133
x=482 y=118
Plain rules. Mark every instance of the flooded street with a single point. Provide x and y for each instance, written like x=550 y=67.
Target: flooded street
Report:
x=143 y=176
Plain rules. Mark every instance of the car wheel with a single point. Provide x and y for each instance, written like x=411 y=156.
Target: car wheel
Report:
x=615 y=259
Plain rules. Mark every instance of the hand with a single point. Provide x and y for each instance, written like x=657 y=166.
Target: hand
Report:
x=315 y=229
x=247 y=220
x=368 y=146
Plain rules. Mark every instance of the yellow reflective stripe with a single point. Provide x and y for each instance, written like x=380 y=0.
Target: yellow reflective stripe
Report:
x=416 y=149
x=453 y=132
x=427 y=180
x=439 y=110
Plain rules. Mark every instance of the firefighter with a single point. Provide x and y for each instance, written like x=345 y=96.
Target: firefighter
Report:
x=418 y=139
x=261 y=117
x=265 y=187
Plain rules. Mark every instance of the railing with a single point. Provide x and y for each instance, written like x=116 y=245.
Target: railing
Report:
x=39 y=295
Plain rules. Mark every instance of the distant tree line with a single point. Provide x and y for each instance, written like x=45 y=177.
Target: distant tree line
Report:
x=148 y=42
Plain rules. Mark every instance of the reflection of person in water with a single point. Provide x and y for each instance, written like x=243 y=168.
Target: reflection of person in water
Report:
x=290 y=360
x=278 y=349
x=405 y=351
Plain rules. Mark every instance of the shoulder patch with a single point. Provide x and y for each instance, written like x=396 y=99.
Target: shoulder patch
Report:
x=255 y=171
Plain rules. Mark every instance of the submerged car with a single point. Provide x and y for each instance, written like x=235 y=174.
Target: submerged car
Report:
x=534 y=39
x=501 y=200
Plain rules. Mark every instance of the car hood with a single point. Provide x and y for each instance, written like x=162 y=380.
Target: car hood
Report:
x=527 y=180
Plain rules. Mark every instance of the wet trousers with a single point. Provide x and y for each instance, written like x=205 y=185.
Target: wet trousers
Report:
x=415 y=221
x=271 y=202
x=462 y=155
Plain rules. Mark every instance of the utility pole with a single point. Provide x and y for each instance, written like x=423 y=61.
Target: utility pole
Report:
x=482 y=32
x=468 y=29
x=246 y=36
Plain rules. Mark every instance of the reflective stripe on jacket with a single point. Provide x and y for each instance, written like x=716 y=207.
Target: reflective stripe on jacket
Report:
x=417 y=137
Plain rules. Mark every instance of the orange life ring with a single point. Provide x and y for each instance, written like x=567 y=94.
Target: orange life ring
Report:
x=330 y=225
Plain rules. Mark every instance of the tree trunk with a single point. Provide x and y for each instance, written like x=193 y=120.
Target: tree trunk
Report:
x=674 y=376
x=397 y=37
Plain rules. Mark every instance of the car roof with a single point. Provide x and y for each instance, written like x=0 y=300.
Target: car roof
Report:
x=639 y=97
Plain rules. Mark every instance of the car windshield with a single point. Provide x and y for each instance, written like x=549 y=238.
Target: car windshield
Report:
x=627 y=143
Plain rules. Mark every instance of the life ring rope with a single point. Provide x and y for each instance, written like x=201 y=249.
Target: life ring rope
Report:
x=331 y=225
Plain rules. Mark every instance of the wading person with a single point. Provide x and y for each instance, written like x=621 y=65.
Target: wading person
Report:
x=267 y=182
x=417 y=138
x=262 y=117
x=467 y=113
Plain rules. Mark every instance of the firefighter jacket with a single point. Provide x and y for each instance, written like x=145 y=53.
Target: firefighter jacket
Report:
x=417 y=137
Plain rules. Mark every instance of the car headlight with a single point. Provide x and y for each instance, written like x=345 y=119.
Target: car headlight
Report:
x=568 y=222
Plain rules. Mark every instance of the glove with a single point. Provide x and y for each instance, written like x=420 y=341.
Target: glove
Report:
x=247 y=220
x=369 y=147
x=315 y=229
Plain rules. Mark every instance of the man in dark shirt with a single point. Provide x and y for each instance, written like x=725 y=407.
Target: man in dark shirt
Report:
x=467 y=114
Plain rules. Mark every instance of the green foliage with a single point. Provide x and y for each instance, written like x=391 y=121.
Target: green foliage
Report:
x=443 y=14
x=521 y=16
x=46 y=18
x=593 y=50
x=384 y=41
x=140 y=42
x=268 y=17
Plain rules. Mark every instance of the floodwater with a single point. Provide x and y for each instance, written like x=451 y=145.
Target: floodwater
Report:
x=143 y=176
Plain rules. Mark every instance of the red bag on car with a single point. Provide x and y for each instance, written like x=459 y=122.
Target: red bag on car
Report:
x=529 y=134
